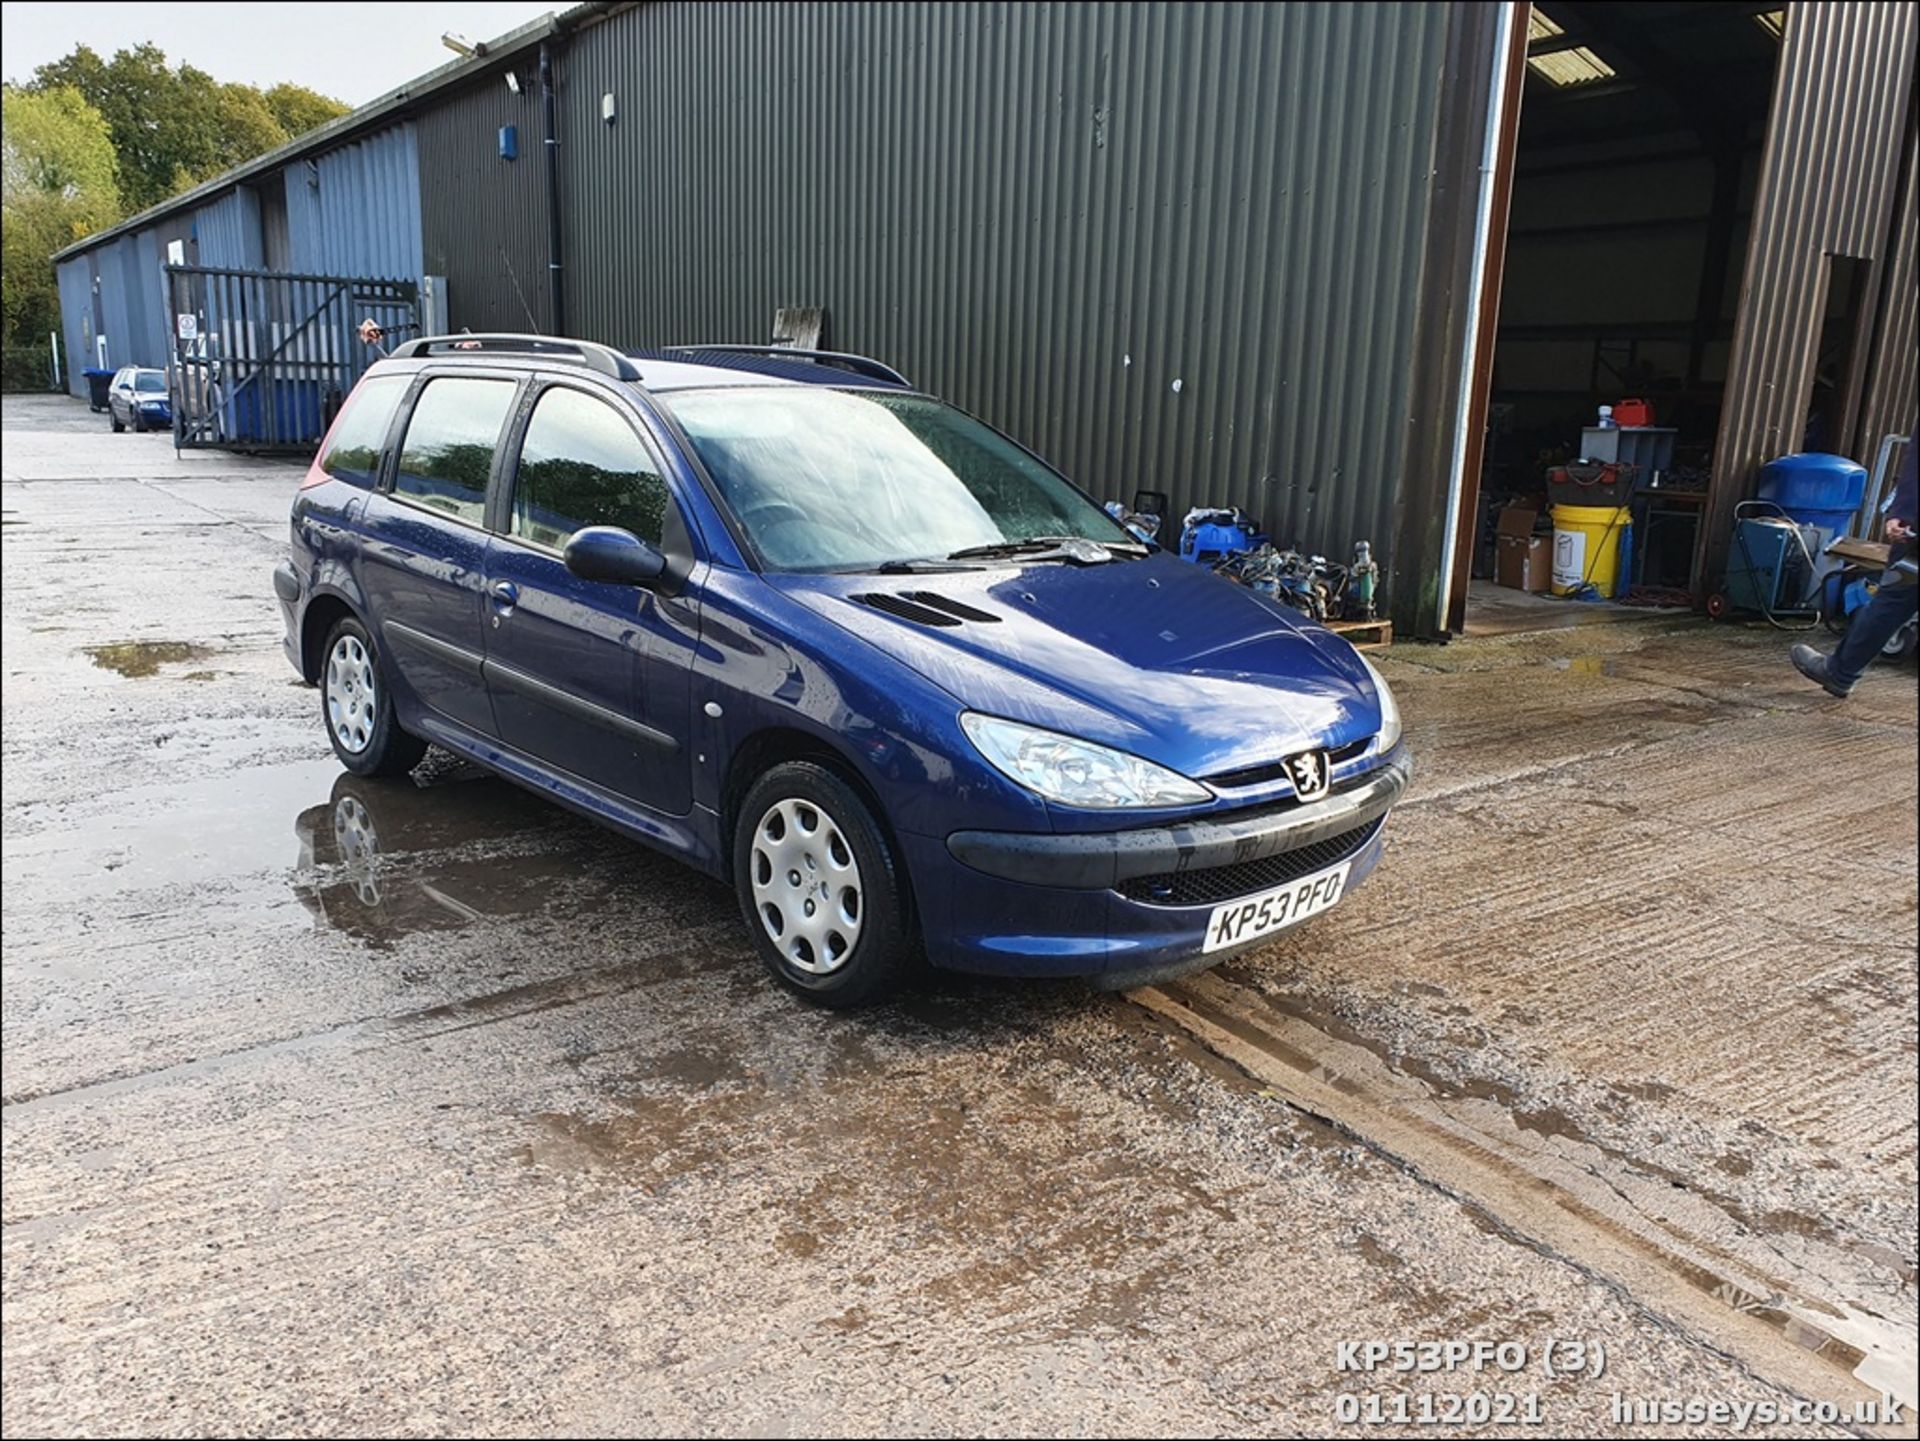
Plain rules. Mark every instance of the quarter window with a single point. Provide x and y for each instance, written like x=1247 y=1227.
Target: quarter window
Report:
x=451 y=438
x=581 y=464
x=358 y=437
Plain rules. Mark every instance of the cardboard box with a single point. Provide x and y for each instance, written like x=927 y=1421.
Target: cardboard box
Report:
x=1521 y=559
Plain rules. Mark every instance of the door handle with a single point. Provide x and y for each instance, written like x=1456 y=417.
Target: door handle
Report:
x=505 y=594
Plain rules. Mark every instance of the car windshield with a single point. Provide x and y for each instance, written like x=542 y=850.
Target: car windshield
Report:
x=823 y=479
x=151 y=380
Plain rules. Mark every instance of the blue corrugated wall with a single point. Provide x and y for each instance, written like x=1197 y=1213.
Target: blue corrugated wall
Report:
x=227 y=231
x=356 y=210
x=75 y=278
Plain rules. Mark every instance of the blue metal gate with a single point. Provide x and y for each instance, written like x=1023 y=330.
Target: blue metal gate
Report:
x=262 y=358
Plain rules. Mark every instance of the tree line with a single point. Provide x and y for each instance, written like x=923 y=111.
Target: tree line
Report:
x=89 y=141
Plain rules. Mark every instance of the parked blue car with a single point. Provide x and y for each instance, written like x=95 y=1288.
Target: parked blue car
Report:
x=839 y=644
x=137 y=397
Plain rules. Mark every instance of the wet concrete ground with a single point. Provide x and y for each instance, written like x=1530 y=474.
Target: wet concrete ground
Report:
x=342 y=1106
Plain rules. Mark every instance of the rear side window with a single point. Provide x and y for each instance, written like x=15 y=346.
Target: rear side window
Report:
x=354 y=447
x=451 y=438
x=581 y=464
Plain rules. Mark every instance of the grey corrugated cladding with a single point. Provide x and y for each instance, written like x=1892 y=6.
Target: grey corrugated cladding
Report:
x=1172 y=247
x=1840 y=136
x=485 y=218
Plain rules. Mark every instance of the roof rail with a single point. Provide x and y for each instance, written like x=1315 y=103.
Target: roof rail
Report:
x=603 y=358
x=858 y=364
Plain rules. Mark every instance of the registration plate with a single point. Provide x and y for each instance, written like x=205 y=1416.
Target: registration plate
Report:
x=1239 y=921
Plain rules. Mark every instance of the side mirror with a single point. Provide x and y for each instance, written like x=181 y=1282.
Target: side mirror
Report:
x=619 y=557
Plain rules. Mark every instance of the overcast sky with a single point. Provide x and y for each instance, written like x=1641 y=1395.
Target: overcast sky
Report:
x=350 y=51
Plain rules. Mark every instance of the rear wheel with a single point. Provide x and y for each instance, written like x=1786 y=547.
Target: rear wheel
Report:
x=820 y=888
x=358 y=708
x=113 y=419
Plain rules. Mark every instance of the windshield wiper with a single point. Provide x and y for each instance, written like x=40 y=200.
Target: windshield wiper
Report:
x=1002 y=547
x=916 y=566
x=1078 y=548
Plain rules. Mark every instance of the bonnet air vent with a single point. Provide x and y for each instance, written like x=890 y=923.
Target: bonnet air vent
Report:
x=958 y=608
x=923 y=607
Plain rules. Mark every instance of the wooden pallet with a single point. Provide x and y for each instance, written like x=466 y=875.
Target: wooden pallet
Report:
x=1364 y=634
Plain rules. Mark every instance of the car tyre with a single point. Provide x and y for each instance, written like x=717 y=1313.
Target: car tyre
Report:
x=821 y=890
x=113 y=419
x=356 y=706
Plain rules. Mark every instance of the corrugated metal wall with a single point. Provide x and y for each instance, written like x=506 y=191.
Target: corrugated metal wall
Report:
x=128 y=306
x=356 y=210
x=1888 y=403
x=1835 y=146
x=1172 y=247
x=75 y=279
x=227 y=231
x=496 y=272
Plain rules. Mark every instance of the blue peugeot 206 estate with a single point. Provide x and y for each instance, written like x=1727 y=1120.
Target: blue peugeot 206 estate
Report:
x=816 y=633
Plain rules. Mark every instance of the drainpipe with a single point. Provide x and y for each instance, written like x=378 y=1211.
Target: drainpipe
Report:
x=556 y=288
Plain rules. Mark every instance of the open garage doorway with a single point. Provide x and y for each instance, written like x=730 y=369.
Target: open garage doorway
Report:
x=1635 y=169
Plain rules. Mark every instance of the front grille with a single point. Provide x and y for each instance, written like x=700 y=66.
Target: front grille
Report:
x=1277 y=770
x=1210 y=885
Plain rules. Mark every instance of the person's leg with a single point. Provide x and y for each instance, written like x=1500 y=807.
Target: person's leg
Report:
x=1870 y=629
x=1868 y=632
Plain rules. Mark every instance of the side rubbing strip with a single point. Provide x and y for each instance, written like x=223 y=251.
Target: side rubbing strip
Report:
x=467 y=662
x=538 y=690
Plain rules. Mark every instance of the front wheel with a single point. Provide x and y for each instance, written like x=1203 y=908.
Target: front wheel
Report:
x=820 y=888
x=358 y=708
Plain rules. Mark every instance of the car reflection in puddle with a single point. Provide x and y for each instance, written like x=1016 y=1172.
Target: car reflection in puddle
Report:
x=383 y=859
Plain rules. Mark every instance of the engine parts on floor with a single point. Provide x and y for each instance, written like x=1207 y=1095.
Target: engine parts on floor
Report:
x=1210 y=535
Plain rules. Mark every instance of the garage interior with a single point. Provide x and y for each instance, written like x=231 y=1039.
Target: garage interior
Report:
x=1639 y=148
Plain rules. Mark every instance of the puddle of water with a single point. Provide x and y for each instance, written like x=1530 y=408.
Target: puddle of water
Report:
x=377 y=859
x=137 y=659
x=385 y=859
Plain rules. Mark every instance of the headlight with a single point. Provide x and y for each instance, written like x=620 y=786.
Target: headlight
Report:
x=1389 y=708
x=1075 y=772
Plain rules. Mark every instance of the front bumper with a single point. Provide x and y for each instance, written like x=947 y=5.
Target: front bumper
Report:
x=1107 y=858
x=1063 y=905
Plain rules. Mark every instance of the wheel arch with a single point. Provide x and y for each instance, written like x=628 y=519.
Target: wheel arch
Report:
x=774 y=745
x=323 y=613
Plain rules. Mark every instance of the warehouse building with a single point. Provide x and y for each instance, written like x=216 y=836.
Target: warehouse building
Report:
x=1336 y=264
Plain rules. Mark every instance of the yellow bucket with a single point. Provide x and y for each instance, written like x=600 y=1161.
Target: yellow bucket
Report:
x=1586 y=547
